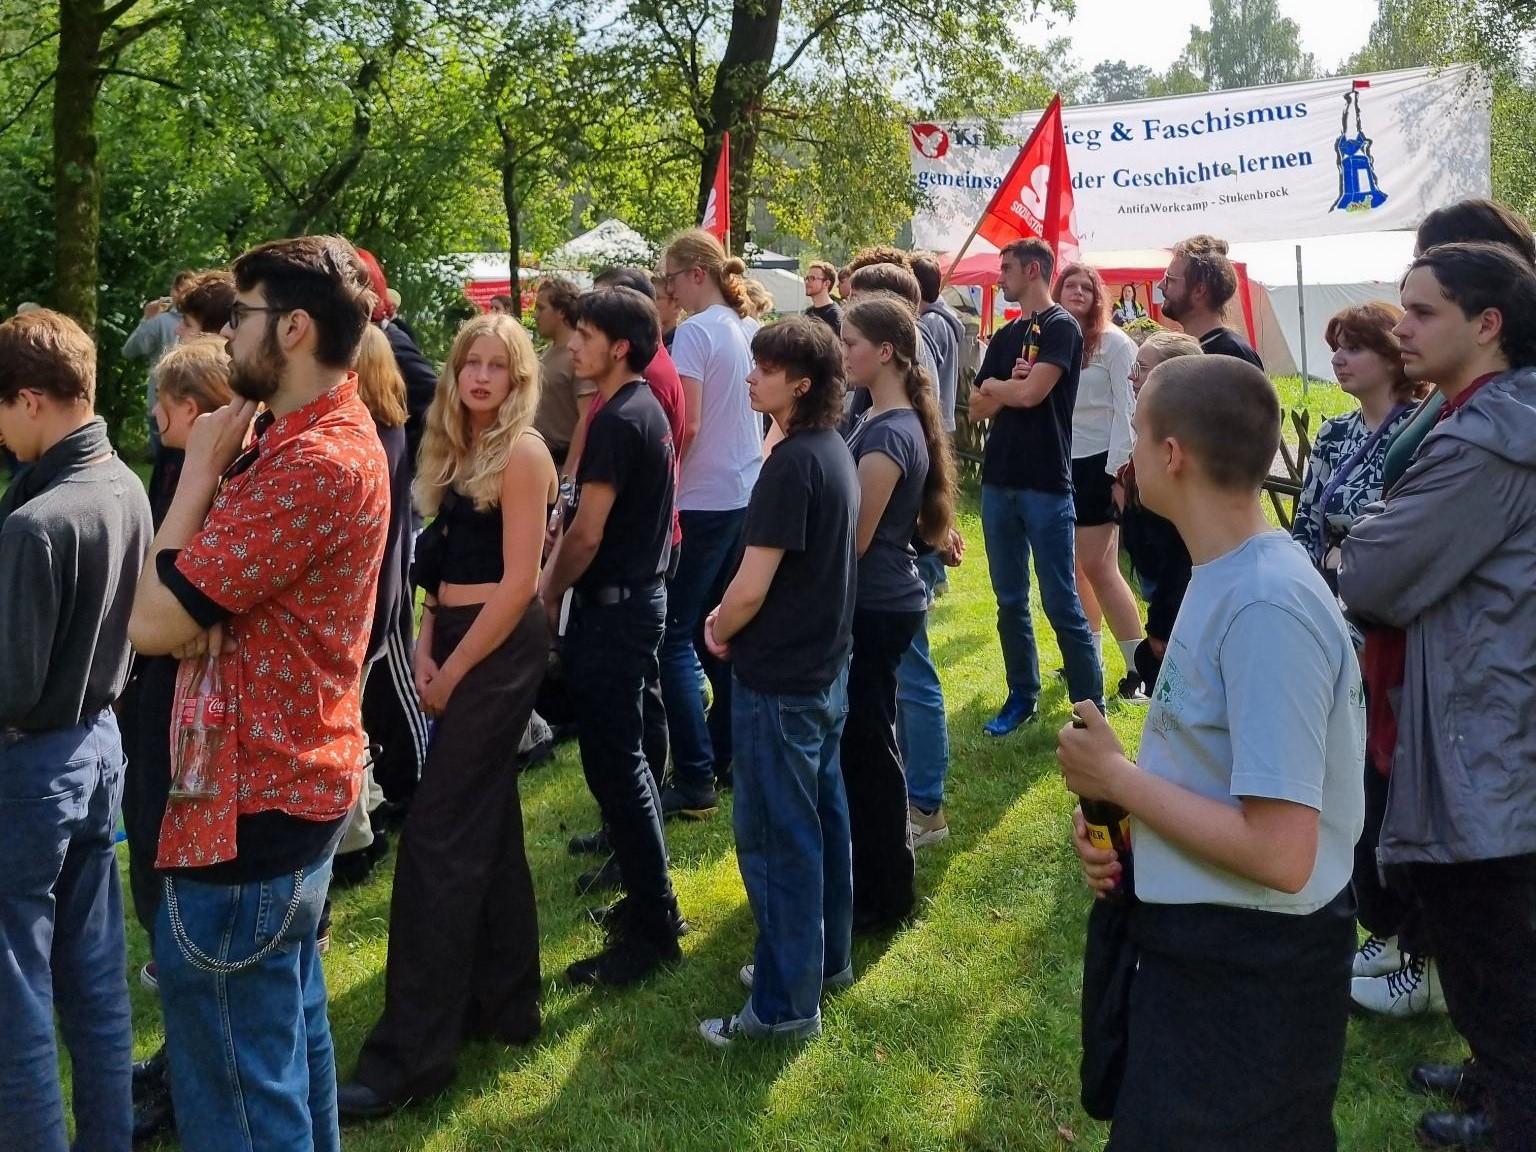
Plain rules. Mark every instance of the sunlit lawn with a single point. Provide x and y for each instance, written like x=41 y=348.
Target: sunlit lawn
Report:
x=961 y=1031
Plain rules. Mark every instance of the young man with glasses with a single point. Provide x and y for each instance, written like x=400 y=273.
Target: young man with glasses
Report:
x=1197 y=287
x=820 y=279
x=268 y=560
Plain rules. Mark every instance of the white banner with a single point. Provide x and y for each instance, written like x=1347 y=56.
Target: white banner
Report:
x=1353 y=154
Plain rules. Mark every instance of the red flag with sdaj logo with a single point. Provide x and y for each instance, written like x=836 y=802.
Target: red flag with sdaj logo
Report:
x=1035 y=198
x=717 y=209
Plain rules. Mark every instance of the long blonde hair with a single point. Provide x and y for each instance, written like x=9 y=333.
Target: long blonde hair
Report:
x=451 y=455
x=697 y=248
x=380 y=386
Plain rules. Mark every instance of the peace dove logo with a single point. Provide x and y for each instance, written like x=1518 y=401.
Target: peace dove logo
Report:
x=930 y=140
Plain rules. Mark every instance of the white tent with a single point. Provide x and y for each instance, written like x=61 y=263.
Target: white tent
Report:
x=611 y=242
x=786 y=288
x=1336 y=273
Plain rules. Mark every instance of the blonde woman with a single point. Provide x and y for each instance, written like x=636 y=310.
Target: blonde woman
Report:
x=463 y=945
x=1154 y=545
x=721 y=453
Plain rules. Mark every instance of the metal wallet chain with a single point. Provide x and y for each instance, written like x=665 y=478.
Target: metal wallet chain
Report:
x=205 y=963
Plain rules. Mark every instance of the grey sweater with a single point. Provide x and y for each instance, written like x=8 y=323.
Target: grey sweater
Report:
x=74 y=530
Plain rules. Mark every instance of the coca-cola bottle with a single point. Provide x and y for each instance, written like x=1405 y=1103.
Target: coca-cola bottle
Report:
x=204 y=716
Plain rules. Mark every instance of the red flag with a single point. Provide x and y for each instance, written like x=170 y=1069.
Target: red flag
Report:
x=717 y=209
x=1035 y=198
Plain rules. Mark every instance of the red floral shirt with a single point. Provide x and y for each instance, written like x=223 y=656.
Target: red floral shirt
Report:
x=290 y=550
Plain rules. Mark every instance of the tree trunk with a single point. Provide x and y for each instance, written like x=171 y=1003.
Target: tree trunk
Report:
x=513 y=204
x=734 y=104
x=76 y=175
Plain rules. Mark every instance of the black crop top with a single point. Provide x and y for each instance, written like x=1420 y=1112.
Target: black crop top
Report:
x=461 y=546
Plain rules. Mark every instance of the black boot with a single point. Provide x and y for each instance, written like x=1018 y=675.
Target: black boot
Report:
x=1455 y=1130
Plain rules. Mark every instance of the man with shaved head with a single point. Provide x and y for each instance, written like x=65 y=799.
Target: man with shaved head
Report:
x=1246 y=798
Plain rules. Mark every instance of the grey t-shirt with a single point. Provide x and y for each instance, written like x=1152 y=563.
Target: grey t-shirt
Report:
x=888 y=579
x=1259 y=696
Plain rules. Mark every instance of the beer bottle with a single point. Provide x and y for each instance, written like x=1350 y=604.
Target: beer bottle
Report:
x=1109 y=826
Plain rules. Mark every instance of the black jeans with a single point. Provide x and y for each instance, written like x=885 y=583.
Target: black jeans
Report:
x=1385 y=910
x=1236 y=1031
x=464 y=929
x=884 y=869
x=1479 y=921
x=610 y=656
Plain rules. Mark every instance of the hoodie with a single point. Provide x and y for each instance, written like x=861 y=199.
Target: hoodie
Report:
x=1450 y=557
x=946 y=336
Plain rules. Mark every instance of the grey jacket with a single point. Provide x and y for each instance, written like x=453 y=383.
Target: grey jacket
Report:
x=946 y=332
x=1451 y=558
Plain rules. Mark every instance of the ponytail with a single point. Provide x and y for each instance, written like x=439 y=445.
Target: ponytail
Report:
x=884 y=318
x=696 y=248
x=936 y=516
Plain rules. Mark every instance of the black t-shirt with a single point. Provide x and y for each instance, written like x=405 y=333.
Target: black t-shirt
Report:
x=829 y=314
x=1225 y=342
x=629 y=446
x=1032 y=447
x=806 y=501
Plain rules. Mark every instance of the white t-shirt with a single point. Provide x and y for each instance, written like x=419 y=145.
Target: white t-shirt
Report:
x=722 y=463
x=1259 y=696
x=1101 y=417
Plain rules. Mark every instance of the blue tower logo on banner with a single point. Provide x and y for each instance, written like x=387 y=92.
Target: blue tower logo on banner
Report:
x=1358 y=190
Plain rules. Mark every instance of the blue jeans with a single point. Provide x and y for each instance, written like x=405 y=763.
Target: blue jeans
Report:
x=252 y=1066
x=1016 y=522
x=711 y=545
x=61 y=939
x=794 y=850
x=922 y=729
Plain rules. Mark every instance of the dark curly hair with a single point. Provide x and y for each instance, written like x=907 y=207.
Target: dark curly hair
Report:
x=207 y=298
x=805 y=347
x=880 y=254
x=562 y=296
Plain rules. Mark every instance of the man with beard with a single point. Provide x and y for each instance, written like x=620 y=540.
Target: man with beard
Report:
x=1198 y=286
x=265 y=568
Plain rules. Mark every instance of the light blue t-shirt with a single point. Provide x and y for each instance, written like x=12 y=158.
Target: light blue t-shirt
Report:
x=1259 y=696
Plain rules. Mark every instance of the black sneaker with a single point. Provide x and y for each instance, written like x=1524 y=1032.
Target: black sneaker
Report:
x=604 y=878
x=631 y=952
x=689 y=802
x=154 y=1115
x=725 y=776
x=149 y=1075
x=1130 y=689
x=589 y=844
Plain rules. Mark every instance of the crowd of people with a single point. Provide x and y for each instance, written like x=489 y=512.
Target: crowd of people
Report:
x=729 y=531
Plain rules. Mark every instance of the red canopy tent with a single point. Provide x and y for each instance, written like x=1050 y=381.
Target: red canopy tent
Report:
x=1141 y=267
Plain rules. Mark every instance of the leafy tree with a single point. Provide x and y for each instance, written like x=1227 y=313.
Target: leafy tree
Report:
x=1249 y=43
x=1112 y=80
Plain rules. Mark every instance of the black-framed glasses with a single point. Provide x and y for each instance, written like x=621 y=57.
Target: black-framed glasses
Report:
x=239 y=311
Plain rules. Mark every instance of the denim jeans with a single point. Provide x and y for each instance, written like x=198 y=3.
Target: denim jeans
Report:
x=61 y=939
x=922 y=729
x=793 y=847
x=252 y=1065
x=608 y=655
x=1016 y=522
x=711 y=546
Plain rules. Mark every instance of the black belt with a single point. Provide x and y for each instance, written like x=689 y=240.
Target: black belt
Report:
x=607 y=595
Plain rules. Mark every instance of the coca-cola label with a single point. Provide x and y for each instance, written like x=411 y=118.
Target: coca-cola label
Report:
x=215 y=711
x=212 y=710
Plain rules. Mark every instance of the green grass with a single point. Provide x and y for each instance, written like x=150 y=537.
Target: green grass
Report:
x=960 y=1033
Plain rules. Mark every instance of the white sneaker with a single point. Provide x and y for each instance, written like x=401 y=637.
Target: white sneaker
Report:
x=1413 y=990
x=1378 y=956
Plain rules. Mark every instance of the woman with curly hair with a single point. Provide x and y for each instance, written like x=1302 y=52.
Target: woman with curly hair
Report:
x=463 y=945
